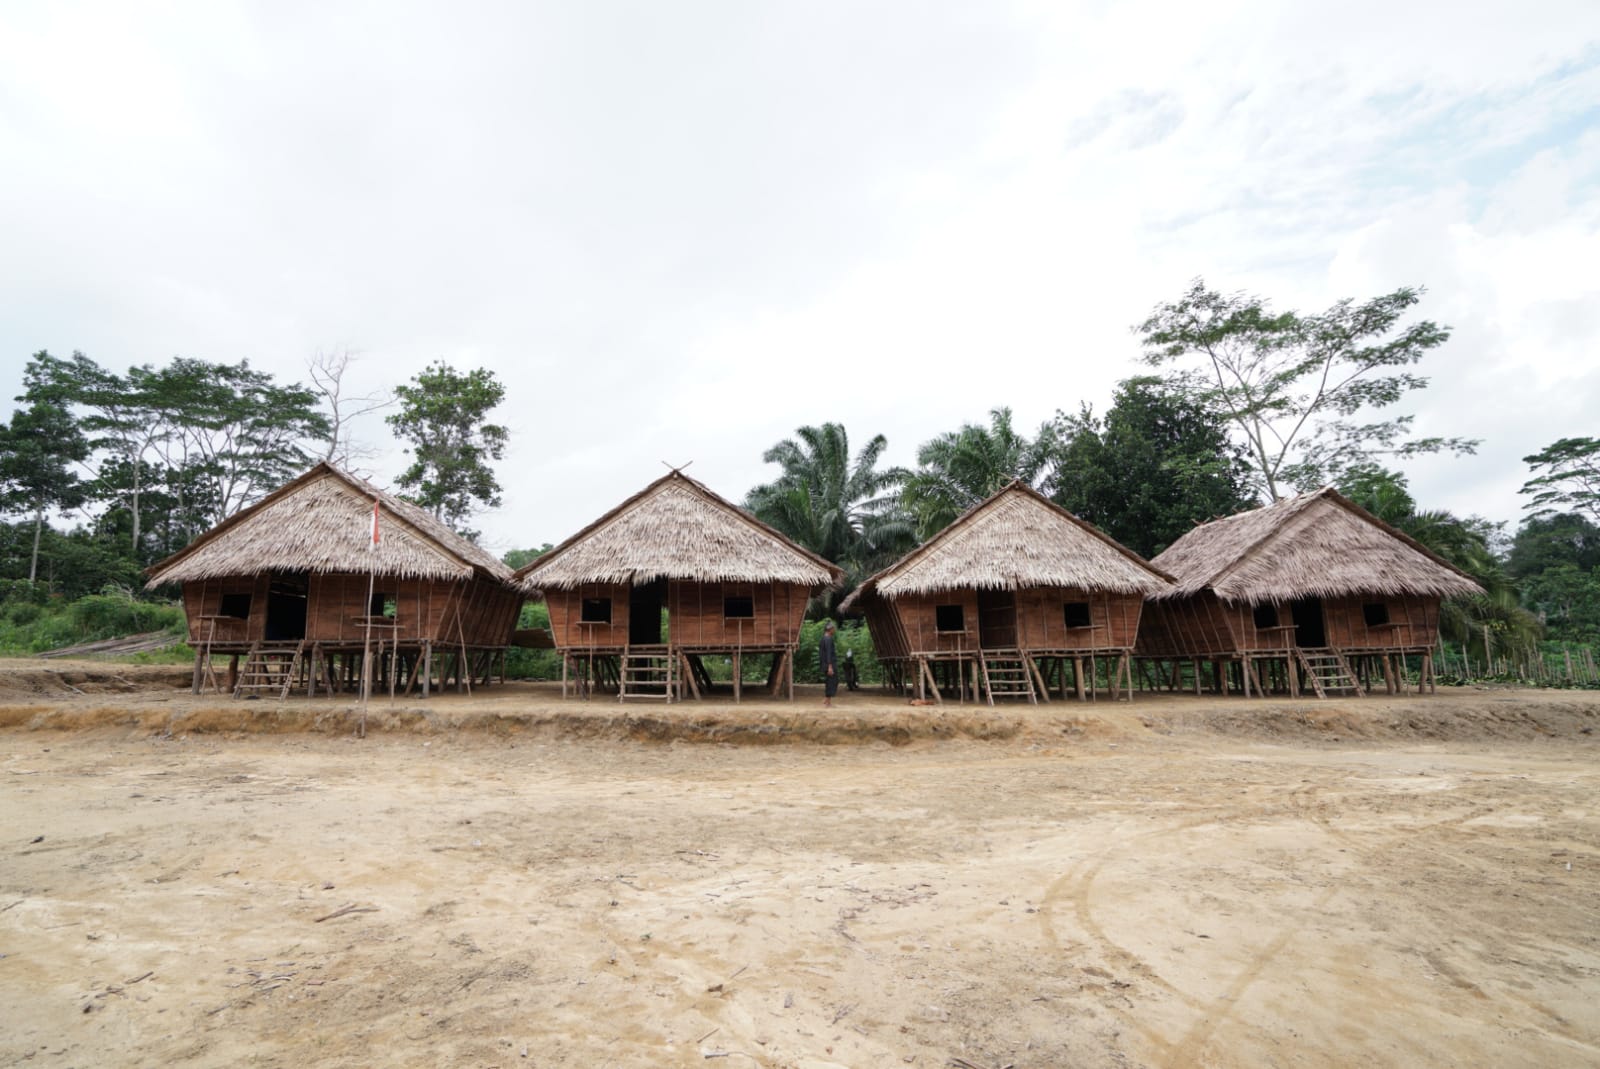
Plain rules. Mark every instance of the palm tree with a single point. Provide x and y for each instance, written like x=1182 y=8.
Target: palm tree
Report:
x=959 y=469
x=842 y=509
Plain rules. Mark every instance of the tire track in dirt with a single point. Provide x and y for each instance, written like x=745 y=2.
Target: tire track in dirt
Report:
x=1375 y=847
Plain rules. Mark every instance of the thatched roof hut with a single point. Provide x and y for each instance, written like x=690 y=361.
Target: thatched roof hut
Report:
x=1016 y=540
x=1316 y=545
x=1315 y=587
x=1015 y=577
x=676 y=528
x=671 y=574
x=295 y=584
x=320 y=523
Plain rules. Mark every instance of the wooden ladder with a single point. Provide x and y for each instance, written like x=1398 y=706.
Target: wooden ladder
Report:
x=268 y=670
x=647 y=672
x=1006 y=675
x=1328 y=670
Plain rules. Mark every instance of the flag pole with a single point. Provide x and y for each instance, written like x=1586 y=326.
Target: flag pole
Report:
x=366 y=648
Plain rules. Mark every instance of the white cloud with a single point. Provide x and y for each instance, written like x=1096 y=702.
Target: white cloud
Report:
x=678 y=233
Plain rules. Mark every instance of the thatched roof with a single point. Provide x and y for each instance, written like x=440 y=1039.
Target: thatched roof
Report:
x=322 y=522
x=1016 y=540
x=675 y=528
x=1315 y=545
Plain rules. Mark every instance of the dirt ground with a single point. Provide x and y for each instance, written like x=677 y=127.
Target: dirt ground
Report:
x=508 y=879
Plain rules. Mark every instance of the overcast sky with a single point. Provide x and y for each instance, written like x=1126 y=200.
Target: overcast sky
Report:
x=678 y=231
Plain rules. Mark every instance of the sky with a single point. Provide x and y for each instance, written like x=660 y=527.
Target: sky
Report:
x=677 y=232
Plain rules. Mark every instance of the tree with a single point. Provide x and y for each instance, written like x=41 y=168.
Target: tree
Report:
x=237 y=431
x=36 y=452
x=518 y=558
x=1571 y=476
x=327 y=371
x=1292 y=384
x=207 y=439
x=1553 y=540
x=1153 y=468
x=841 y=508
x=959 y=469
x=442 y=413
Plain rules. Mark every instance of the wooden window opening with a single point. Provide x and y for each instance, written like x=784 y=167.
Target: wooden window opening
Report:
x=949 y=618
x=1076 y=614
x=595 y=611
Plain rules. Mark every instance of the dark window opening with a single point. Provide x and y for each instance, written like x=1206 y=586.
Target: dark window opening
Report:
x=596 y=611
x=383 y=604
x=1077 y=614
x=949 y=618
x=1266 y=616
x=235 y=605
x=1376 y=614
x=739 y=608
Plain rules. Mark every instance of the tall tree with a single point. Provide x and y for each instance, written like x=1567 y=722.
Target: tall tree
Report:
x=840 y=507
x=1554 y=540
x=207 y=438
x=1292 y=385
x=1153 y=468
x=959 y=469
x=37 y=450
x=442 y=414
x=1569 y=476
x=345 y=407
x=235 y=429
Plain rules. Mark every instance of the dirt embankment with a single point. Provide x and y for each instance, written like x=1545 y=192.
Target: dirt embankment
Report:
x=155 y=699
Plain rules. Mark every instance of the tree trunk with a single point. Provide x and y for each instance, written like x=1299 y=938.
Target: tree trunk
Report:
x=38 y=527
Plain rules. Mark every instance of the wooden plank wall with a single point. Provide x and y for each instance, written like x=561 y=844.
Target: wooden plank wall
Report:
x=695 y=615
x=1413 y=623
x=566 y=613
x=1040 y=614
x=424 y=609
x=1042 y=619
x=1192 y=626
x=918 y=615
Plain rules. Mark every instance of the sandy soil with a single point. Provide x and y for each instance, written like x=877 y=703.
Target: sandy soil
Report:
x=513 y=880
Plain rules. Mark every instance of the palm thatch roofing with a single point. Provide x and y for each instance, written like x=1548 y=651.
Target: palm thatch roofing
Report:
x=322 y=522
x=1016 y=540
x=676 y=528
x=1316 y=545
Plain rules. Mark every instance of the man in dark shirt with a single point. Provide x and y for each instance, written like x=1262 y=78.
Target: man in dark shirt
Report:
x=828 y=660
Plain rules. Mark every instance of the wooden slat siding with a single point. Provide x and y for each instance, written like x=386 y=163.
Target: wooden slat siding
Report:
x=918 y=617
x=1416 y=617
x=566 y=610
x=884 y=624
x=1194 y=626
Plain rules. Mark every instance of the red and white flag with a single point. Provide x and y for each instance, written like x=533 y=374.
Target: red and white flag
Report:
x=375 y=536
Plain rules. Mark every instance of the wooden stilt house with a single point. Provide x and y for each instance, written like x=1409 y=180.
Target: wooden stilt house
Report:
x=295 y=589
x=1310 y=592
x=1005 y=601
x=673 y=575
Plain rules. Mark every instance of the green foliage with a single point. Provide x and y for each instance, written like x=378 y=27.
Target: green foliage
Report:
x=841 y=508
x=29 y=626
x=533 y=664
x=1569 y=477
x=1553 y=540
x=520 y=558
x=852 y=636
x=1153 y=468
x=193 y=441
x=1292 y=384
x=959 y=469
x=442 y=414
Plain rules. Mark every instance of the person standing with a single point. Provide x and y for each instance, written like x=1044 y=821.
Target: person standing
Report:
x=828 y=660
